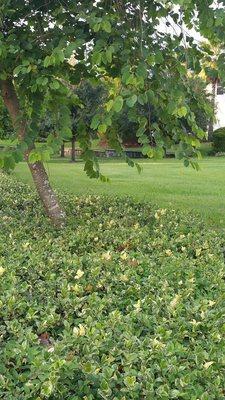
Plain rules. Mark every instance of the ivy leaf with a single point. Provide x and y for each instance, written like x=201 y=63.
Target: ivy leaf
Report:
x=130 y=381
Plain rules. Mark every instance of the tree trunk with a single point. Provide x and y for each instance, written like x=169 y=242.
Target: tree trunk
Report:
x=73 y=155
x=37 y=169
x=62 y=150
x=47 y=195
x=211 y=122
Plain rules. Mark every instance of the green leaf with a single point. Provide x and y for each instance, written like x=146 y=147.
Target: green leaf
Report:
x=130 y=381
x=34 y=156
x=131 y=101
x=195 y=165
x=59 y=56
x=17 y=70
x=104 y=386
x=47 y=388
x=151 y=59
x=109 y=105
x=54 y=85
x=72 y=47
x=106 y=26
x=126 y=73
x=158 y=57
x=45 y=155
x=96 y=27
x=181 y=112
x=109 y=55
x=139 y=167
x=102 y=128
x=95 y=122
x=97 y=57
x=87 y=368
x=118 y=104
x=47 y=61
x=142 y=71
x=142 y=98
x=150 y=153
x=140 y=131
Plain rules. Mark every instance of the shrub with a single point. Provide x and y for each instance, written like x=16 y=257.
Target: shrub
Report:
x=218 y=139
x=127 y=302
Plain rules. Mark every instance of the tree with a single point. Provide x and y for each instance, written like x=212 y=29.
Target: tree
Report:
x=210 y=72
x=115 y=39
x=6 y=128
x=197 y=99
x=92 y=97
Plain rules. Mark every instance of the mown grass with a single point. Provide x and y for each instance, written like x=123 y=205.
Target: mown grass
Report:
x=166 y=183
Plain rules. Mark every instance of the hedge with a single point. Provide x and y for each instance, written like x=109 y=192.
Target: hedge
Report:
x=127 y=302
x=218 y=140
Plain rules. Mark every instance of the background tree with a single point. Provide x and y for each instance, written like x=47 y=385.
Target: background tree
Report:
x=6 y=129
x=211 y=53
x=117 y=39
x=92 y=96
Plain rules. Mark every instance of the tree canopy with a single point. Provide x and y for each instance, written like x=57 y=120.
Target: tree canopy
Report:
x=118 y=41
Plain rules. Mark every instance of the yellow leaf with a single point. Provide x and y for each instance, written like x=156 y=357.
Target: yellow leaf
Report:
x=124 y=256
x=107 y=256
x=175 y=301
x=198 y=252
x=79 y=274
x=208 y=364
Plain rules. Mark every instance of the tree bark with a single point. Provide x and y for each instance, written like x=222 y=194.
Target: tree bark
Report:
x=73 y=155
x=47 y=195
x=211 y=122
x=39 y=175
x=62 y=150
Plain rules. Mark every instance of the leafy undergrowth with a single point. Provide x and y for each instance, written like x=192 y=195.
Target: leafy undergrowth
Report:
x=127 y=302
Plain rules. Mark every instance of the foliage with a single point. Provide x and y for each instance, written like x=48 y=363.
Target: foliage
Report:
x=218 y=140
x=197 y=99
x=6 y=129
x=92 y=97
x=125 y=303
x=111 y=39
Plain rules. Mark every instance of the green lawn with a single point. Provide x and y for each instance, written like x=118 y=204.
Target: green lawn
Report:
x=166 y=183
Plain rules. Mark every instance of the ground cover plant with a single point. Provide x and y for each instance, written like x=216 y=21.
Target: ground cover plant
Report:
x=126 y=302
